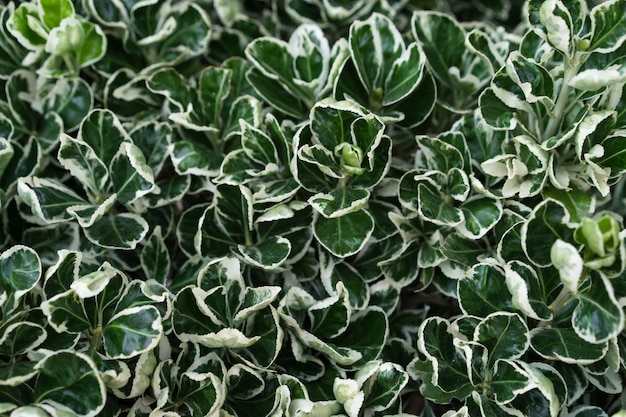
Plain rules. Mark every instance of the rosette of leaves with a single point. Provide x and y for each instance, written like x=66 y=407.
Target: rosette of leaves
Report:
x=330 y=329
x=217 y=310
x=478 y=361
x=52 y=29
x=193 y=383
x=210 y=113
x=262 y=164
x=559 y=96
x=112 y=173
x=292 y=76
x=340 y=157
x=386 y=74
x=439 y=194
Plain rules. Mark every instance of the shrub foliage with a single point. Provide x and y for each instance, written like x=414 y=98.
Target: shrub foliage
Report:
x=319 y=208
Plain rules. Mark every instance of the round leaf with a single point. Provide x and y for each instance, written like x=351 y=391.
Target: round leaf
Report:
x=70 y=381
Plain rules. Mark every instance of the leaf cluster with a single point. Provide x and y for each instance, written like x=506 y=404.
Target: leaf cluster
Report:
x=301 y=208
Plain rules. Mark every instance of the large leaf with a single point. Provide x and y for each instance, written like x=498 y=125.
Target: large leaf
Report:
x=20 y=338
x=270 y=253
x=447 y=363
x=339 y=202
x=505 y=335
x=119 y=231
x=20 y=270
x=102 y=131
x=155 y=257
x=71 y=382
x=131 y=176
x=484 y=292
x=83 y=163
x=607 y=25
x=598 y=317
x=565 y=345
x=72 y=99
x=548 y=222
x=132 y=331
x=346 y=235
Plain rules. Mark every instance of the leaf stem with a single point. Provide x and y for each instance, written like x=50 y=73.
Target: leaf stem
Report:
x=571 y=67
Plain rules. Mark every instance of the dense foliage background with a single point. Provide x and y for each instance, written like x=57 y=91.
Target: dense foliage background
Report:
x=312 y=208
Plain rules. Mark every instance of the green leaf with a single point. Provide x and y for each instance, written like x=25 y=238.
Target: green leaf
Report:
x=20 y=270
x=366 y=334
x=276 y=94
x=6 y=153
x=257 y=145
x=607 y=26
x=270 y=253
x=330 y=317
x=443 y=41
x=505 y=335
x=102 y=131
x=191 y=158
x=331 y=122
x=168 y=82
x=24 y=24
x=190 y=36
x=83 y=163
x=93 y=47
x=119 y=231
x=480 y=216
x=579 y=204
x=132 y=331
x=95 y=282
x=614 y=155
x=48 y=199
x=72 y=99
x=153 y=138
x=155 y=257
x=346 y=235
x=448 y=370
x=213 y=88
x=434 y=208
x=52 y=12
x=374 y=44
x=20 y=338
x=496 y=113
x=523 y=284
x=565 y=345
x=187 y=316
x=70 y=381
x=598 y=317
x=509 y=381
x=548 y=222
x=66 y=313
x=405 y=75
x=131 y=176
x=385 y=387
x=272 y=58
x=339 y=202
x=15 y=375
x=482 y=293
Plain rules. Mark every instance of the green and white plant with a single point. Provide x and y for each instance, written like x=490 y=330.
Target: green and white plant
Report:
x=312 y=208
